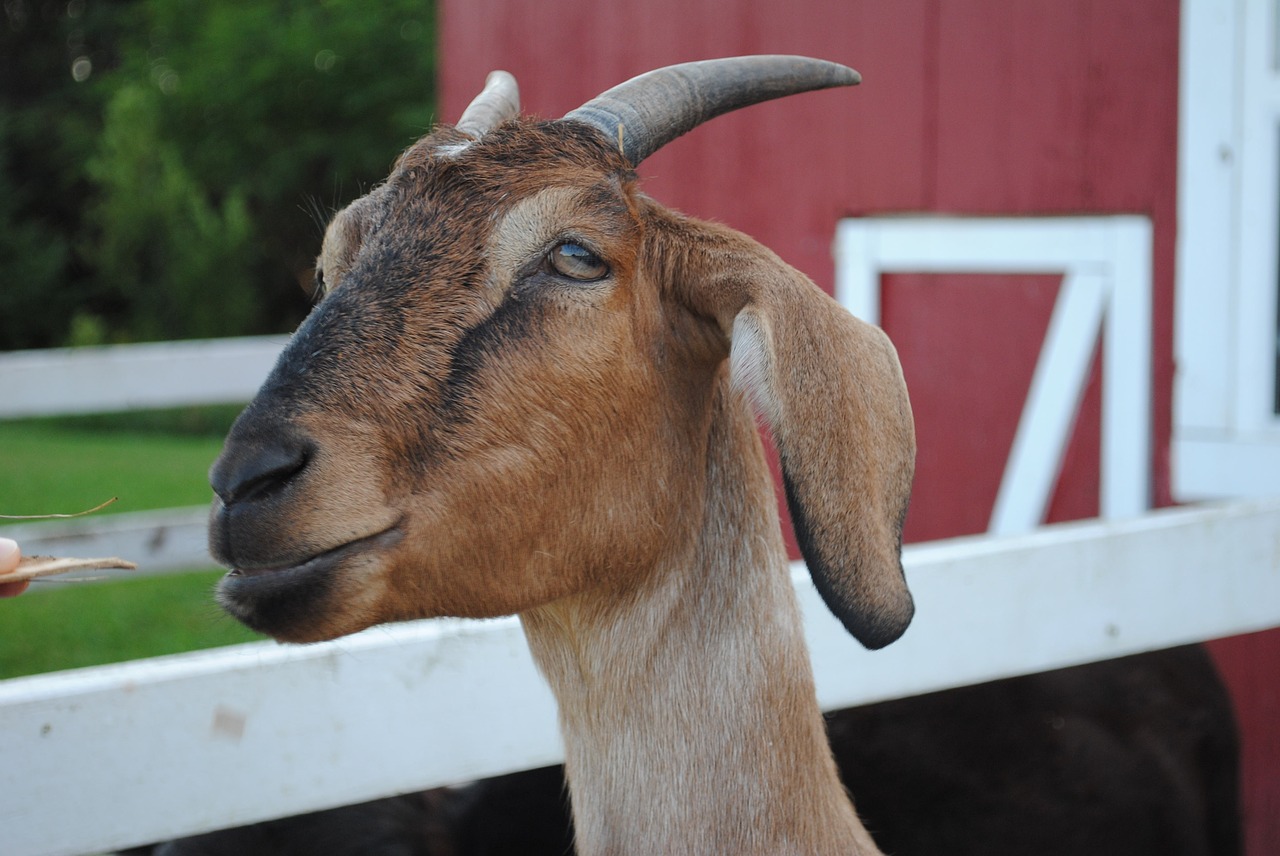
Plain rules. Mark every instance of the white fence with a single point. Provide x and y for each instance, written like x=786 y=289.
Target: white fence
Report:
x=157 y=541
x=112 y=378
x=109 y=757
x=134 y=377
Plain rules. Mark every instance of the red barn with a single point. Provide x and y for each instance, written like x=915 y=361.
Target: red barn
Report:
x=1063 y=213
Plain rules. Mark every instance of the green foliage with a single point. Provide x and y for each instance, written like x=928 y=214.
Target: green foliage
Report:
x=183 y=152
x=48 y=129
x=33 y=261
x=181 y=264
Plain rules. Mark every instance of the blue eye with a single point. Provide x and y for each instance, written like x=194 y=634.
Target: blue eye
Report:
x=577 y=262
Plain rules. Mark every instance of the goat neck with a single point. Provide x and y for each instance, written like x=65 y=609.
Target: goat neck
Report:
x=687 y=704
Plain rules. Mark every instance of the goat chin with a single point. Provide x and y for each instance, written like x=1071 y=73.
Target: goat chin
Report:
x=295 y=602
x=516 y=396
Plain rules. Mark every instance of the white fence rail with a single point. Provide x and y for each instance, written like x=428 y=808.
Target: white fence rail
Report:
x=114 y=756
x=165 y=541
x=111 y=378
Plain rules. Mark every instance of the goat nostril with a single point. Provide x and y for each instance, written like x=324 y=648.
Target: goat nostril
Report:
x=254 y=471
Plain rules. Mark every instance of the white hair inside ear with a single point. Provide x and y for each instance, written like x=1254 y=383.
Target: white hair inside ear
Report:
x=751 y=364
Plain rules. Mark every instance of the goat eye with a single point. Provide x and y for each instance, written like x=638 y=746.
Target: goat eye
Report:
x=577 y=262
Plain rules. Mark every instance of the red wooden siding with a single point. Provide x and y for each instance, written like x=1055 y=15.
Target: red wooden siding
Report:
x=943 y=123
x=974 y=107
x=977 y=383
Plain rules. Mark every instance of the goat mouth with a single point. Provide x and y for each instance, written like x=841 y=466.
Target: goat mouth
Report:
x=289 y=602
x=325 y=560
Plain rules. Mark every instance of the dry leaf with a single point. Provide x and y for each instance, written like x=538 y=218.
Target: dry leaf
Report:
x=30 y=567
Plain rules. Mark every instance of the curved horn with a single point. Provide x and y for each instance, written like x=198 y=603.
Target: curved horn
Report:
x=496 y=103
x=649 y=111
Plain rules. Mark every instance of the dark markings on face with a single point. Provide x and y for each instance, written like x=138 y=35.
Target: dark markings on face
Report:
x=515 y=320
x=403 y=339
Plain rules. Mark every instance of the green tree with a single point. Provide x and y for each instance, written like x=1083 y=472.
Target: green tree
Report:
x=182 y=263
x=48 y=129
x=165 y=165
x=33 y=262
x=255 y=107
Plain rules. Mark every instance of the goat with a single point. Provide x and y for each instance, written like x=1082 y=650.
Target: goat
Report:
x=528 y=389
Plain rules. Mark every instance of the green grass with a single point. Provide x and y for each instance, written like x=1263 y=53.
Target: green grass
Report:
x=150 y=460
x=88 y=624
x=51 y=467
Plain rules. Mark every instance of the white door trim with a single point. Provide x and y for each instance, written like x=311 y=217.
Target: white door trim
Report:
x=1226 y=434
x=1106 y=290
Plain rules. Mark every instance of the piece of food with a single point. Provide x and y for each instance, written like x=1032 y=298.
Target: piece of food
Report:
x=30 y=567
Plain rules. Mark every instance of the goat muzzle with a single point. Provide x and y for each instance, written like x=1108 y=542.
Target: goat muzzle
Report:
x=272 y=524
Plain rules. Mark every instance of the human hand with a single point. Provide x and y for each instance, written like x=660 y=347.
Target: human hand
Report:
x=10 y=554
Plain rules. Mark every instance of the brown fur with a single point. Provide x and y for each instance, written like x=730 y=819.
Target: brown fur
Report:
x=458 y=431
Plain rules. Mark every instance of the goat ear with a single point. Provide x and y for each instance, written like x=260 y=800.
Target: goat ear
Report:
x=831 y=390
